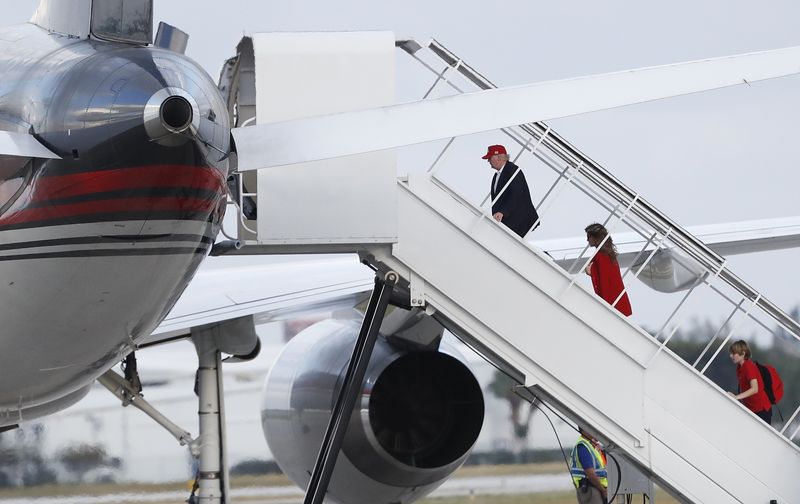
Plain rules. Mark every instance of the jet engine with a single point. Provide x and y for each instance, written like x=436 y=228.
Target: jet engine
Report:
x=418 y=416
x=670 y=270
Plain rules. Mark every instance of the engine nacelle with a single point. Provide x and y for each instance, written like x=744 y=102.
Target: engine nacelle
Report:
x=670 y=270
x=416 y=421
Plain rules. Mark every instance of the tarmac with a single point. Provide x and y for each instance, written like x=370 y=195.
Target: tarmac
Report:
x=478 y=485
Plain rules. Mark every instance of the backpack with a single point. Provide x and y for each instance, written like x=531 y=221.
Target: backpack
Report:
x=773 y=385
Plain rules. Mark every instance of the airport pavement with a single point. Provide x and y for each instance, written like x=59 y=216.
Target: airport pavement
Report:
x=478 y=485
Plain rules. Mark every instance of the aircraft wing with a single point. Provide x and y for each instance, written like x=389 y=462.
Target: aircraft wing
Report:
x=23 y=145
x=334 y=135
x=725 y=239
x=669 y=270
x=268 y=291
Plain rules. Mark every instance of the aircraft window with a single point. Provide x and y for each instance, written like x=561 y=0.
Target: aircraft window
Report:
x=123 y=20
x=13 y=172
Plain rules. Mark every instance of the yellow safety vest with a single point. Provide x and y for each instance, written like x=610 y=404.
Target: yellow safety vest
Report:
x=576 y=469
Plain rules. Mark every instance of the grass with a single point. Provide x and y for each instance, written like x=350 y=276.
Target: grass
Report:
x=121 y=488
x=98 y=489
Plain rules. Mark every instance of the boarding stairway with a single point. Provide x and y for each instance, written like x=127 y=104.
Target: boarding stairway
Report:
x=514 y=305
x=529 y=315
x=532 y=318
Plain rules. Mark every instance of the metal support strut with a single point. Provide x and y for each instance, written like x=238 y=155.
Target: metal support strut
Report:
x=212 y=478
x=129 y=395
x=354 y=378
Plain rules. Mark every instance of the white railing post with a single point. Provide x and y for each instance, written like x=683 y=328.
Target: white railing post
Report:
x=727 y=338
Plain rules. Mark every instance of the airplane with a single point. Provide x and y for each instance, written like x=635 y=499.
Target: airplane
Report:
x=116 y=153
x=114 y=193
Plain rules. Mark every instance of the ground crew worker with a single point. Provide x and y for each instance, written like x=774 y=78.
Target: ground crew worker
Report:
x=588 y=470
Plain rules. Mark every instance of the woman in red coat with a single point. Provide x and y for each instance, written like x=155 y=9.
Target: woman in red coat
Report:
x=604 y=269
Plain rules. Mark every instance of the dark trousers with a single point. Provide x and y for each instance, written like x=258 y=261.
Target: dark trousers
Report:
x=589 y=495
x=765 y=415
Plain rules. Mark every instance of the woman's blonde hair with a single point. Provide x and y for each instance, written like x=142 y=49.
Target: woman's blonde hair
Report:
x=740 y=348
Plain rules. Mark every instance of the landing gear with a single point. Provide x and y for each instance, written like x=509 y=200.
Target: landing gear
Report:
x=235 y=337
x=212 y=479
x=211 y=485
x=129 y=395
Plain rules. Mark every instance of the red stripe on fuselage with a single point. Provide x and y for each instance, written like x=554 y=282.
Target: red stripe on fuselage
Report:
x=123 y=205
x=79 y=184
x=54 y=188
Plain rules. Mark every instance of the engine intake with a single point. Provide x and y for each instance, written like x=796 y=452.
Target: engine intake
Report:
x=418 y=417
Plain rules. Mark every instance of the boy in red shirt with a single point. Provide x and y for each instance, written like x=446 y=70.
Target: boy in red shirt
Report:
x=751 y=386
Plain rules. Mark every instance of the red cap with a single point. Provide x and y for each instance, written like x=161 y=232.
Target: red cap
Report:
x=494 y=149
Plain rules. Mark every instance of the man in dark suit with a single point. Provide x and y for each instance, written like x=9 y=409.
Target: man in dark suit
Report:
x=513 y=208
